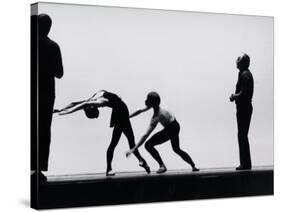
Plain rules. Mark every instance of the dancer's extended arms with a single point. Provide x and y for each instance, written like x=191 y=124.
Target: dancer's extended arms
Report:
x=151 y=127
x=73 y=107
x=72 y=104
x=139 y=112
x=99 y=102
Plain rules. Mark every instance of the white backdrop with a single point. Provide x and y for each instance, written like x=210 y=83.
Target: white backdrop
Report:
x=189 y=58
x=14 y=157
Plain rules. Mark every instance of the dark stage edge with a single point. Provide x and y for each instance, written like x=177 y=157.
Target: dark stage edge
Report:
x=138 y=187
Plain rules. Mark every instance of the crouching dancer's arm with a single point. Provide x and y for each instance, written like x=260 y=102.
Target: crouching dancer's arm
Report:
x=139 y=112
x=151 y=127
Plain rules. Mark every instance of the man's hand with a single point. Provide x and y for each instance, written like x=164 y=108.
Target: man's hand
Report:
x=232 y=97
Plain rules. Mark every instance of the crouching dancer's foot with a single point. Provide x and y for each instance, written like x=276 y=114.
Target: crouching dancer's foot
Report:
x=144 y=165
x=110 y=173
x=243 y=167
x=194 y=169
x=162 y=169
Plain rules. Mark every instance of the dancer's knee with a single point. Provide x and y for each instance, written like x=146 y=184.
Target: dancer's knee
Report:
x=148 y=146
x=177 y=150
x=176 y=147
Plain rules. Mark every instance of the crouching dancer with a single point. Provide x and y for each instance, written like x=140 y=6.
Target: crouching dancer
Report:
x=170 y=132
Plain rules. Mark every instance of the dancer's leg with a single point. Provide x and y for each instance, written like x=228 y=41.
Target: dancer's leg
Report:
x=157 y=139
x=174 y=134
x=128 y=131
x=180 y=152
x=114 y=141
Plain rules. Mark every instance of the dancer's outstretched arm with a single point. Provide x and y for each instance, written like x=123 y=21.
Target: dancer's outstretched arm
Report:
x=139 y=112
x=151 y=127
x=99 y=102
x=73 y=108
x=71 y=105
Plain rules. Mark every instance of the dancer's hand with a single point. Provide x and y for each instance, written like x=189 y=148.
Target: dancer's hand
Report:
x=64 y=112
x=128 y=153
x=56 y=111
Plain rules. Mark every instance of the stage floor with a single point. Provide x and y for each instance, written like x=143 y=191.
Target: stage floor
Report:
x=205 y=173
x=138 y=187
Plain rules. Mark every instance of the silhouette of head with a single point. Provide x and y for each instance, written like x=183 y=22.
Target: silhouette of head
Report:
x=91 y=111
x=152 y=99
x=243 y=62
x=45 y=23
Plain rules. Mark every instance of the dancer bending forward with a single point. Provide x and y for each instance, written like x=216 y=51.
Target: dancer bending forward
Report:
x=170 y=132
x=119 y=120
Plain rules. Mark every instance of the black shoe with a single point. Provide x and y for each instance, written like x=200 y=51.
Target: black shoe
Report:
x=243 y=168
x=145 y=166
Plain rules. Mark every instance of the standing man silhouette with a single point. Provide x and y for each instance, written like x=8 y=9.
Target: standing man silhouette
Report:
x=243 y=99
x=49 y=67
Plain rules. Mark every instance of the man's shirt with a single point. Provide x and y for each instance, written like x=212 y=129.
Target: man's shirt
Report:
x=245 y=85
x=50 y=65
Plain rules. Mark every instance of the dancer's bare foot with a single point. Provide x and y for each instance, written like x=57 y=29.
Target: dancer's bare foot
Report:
x=110 y=173
x=162 y=169
x=194 y=169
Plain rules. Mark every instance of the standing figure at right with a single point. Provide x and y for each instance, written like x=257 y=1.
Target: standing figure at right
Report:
x=243 y=99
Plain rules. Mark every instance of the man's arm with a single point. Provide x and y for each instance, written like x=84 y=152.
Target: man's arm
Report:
x=58 y=67
x=234 y=97
x=139 y=112
x=244 y=89
x=245 y=81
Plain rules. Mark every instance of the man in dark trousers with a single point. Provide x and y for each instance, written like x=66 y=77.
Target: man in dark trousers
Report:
x=49 y=68
x=243 y=99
